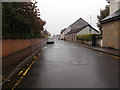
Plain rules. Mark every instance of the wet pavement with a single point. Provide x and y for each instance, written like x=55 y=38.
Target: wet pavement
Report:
x=67 y=65
x=113 y=52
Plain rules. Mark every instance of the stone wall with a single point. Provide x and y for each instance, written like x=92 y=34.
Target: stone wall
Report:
x=111 y=34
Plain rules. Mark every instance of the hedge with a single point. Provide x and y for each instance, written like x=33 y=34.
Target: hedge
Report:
x=88 y=37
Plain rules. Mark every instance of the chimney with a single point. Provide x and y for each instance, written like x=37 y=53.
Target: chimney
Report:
x=114 y=5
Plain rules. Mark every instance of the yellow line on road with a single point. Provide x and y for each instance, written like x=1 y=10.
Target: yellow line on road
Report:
x=28 y=68
x=35 y=57
x=110 y=55
x=20 y=72
x=17 y=83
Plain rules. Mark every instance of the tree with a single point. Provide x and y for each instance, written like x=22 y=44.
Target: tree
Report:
x=103 y=13
x=21 y=20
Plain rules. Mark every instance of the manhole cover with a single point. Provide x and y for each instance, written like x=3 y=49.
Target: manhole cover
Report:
x=78 y=62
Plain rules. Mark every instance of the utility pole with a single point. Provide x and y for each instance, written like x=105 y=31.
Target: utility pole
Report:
x=90 y=23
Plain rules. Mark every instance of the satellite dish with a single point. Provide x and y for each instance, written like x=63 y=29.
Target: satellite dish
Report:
x=109 y=1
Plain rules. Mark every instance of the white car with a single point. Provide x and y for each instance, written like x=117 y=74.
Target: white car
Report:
x=50 y=41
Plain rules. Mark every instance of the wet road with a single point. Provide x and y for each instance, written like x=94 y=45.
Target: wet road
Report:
x=68 y=65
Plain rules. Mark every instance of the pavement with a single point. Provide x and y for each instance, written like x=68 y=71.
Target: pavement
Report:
x=68 y=65
x=113 y=52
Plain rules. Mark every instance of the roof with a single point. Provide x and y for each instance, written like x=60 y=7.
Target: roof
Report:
x=76 y=30
x=63 y=30
x=80 y=28
x=79 y=23
x=47 y=33
x=112 y=17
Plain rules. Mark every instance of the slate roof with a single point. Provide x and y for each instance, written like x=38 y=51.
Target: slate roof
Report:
x=80 y=22
x=63 y=30
x=76 y=30
x=112 y=17
x=80 y=29
x=79 y=25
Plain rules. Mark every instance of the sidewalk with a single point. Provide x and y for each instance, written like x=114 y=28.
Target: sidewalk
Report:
x=104 y=50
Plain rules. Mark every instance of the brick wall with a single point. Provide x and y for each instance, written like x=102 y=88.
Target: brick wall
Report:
x=15 y=51
x=10 y=46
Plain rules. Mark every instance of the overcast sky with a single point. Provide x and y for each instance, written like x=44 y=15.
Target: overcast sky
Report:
x=59 y=14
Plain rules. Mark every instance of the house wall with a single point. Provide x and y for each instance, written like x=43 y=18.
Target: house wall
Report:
x=86 y=31
x=62 y=36
x=71 y=37
x=111 y=32
x=68 y=37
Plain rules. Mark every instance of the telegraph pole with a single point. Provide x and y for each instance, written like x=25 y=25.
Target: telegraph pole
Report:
x=90 y=23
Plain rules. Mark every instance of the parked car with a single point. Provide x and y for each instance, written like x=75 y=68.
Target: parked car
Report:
x=50 y=41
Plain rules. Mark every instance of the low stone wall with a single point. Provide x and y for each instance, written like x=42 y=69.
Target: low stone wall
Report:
x=84 y=42
x=99 y=42
x=80 y=41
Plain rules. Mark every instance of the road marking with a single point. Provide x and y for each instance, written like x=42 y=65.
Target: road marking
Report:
x=35 y=57
x=26 y=71
x=116 y=57
x=20 y=72
x=28 y=68
x=110 y=55
x=17 y=83
x=27 y=64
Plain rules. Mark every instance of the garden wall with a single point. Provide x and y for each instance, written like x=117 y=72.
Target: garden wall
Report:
x=10 y=46
x=99 y=42
x=15 y=51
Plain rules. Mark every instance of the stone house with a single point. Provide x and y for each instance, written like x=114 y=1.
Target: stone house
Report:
x=111 y=28
x=80 y=27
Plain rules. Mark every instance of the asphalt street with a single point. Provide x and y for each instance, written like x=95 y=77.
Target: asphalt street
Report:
x=68 y=65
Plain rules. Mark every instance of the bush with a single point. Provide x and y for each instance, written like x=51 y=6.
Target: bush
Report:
x=86 y=37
